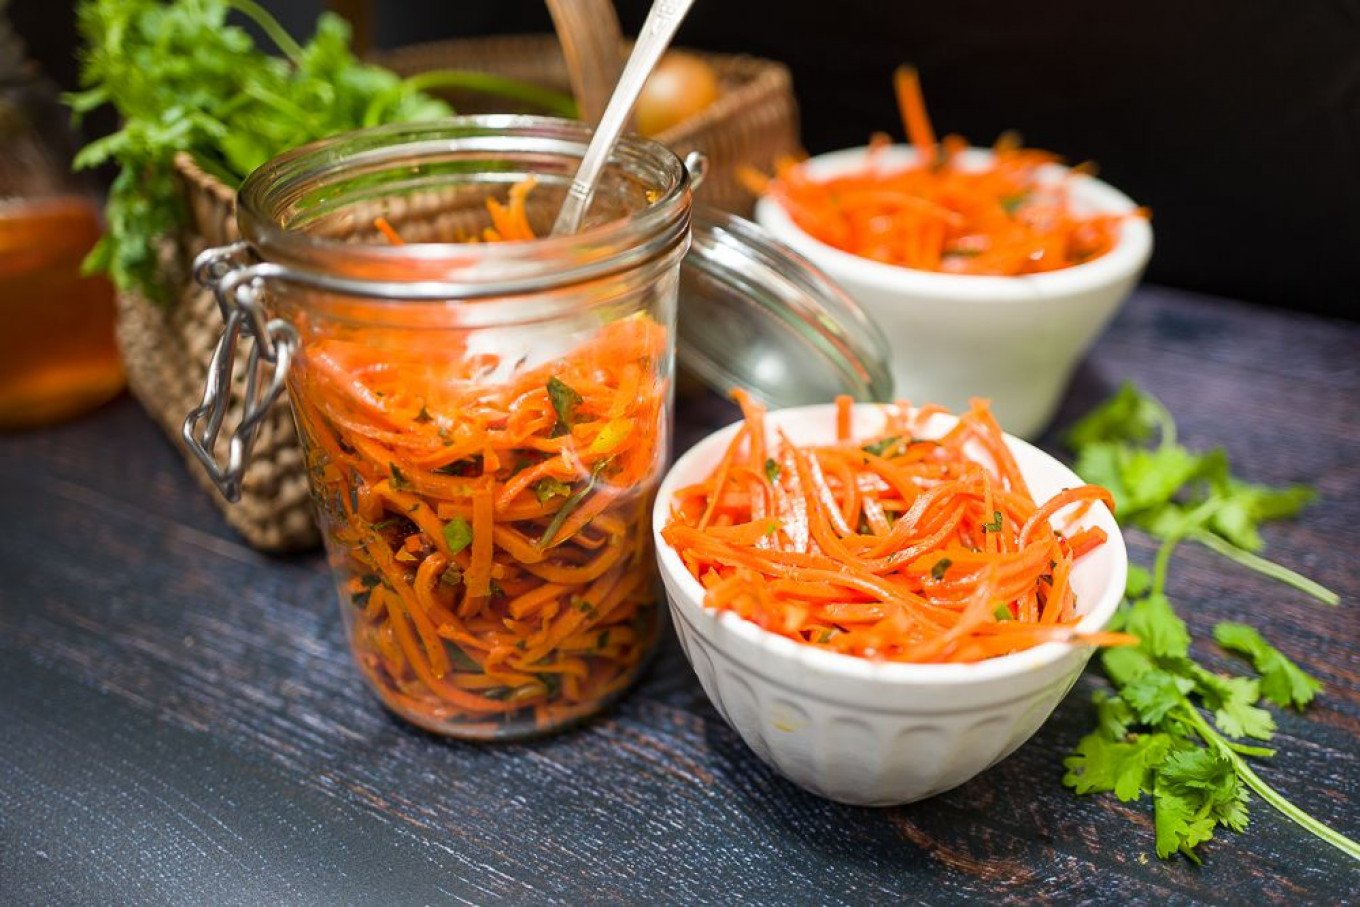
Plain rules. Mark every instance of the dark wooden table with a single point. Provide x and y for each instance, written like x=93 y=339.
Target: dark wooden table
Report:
x=180 y=721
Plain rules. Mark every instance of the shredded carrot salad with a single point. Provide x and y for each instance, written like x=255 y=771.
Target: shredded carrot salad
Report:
x=899 y=547
x=941 y=213
x=492 y=536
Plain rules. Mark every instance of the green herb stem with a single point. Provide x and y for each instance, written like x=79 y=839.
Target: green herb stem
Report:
x=1188 y=527
x=553 y=102
x=270 y=26
x=1265 y=791
x=569 y=506
x=1265 y=567
x=271 y=99
x=1260 y=752
x=1165 y=420
x=1162 y=563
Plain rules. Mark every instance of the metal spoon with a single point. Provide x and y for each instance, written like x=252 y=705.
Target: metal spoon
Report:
x=662 y=21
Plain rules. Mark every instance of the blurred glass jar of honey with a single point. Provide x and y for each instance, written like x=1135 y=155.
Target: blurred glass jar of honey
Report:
x=57 y=352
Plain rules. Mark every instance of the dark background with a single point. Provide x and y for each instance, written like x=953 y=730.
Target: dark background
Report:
x=1238 y=123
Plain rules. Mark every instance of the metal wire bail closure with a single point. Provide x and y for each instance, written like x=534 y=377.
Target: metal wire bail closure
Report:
x=237 y=286
x=696 y=164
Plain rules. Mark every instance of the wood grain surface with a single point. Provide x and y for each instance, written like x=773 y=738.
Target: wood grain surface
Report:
x=180 y=721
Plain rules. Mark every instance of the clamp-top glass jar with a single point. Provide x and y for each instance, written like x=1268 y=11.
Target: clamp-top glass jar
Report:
x=484 y=423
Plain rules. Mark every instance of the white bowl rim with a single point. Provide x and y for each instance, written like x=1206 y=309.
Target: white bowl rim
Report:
x=1130 y=253
x=853 y=666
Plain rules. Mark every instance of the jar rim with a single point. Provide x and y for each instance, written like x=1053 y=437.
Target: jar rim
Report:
x=275 y=195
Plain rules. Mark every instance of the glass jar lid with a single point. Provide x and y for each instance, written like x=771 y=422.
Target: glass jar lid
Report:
x=756 y=315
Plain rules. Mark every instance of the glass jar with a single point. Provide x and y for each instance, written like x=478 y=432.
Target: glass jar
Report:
x=57 y=352
x=484 y=423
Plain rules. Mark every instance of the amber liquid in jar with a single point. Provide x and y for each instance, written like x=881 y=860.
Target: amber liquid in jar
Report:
x=57 y=352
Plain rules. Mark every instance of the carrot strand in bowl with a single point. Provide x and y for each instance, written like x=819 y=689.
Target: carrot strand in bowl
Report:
x=945 y=211
x=901 y=549
x=912 y=105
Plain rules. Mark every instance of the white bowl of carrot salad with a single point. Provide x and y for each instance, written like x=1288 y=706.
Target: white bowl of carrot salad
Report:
x=990 y=270
x=884 y=601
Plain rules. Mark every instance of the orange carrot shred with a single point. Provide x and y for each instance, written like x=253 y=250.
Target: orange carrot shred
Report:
x=909 y=550
x=844 y=404
x=386 y=229
x=436 y=485
x=912 y=105
x=943 y=212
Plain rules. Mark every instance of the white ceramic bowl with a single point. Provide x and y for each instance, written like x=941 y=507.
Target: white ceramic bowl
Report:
x=1014 y=340
x=863 y=732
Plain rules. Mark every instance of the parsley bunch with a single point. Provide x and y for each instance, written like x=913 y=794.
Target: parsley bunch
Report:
x=183 y=79
x=1172 y=728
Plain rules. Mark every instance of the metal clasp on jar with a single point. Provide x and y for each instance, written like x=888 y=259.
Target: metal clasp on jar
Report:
x=238 y=285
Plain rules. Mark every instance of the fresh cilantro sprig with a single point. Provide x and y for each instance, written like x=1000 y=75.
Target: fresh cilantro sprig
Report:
x=1173 y=729
x=1282 y=681
x=1174 y=493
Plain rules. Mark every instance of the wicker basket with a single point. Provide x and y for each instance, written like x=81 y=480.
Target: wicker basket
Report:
x=754 y=121
x=167 y=349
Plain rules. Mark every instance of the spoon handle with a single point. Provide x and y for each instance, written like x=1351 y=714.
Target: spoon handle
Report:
x=592 y=44
x=665 y=17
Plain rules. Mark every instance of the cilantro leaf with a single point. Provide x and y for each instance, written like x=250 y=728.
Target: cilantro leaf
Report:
x=1013 y=202
x=549 y=487
x=1240 y=717
x=1151 y=478
x=569 y=506
x=457 y=534
x=1196 y=790
x=1179 y=826
x=1129 y=415
x=1126 y=664
x=461 y=660
x=772 y=470
x=1154 y=622
x=1101 y=464
x=1233 y=701
x=1152 y=695
x=399 y=481
x=1167 y=521
x=1282 y=681
x=564 y=402
x=1245 y=506
x=1113 y=715
x=1138 y=583
x=1126 y=768
x=468 y=466
x=882 y=446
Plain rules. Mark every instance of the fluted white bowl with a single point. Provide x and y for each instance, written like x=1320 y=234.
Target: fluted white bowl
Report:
x=864 y=732
x=1014 y=340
